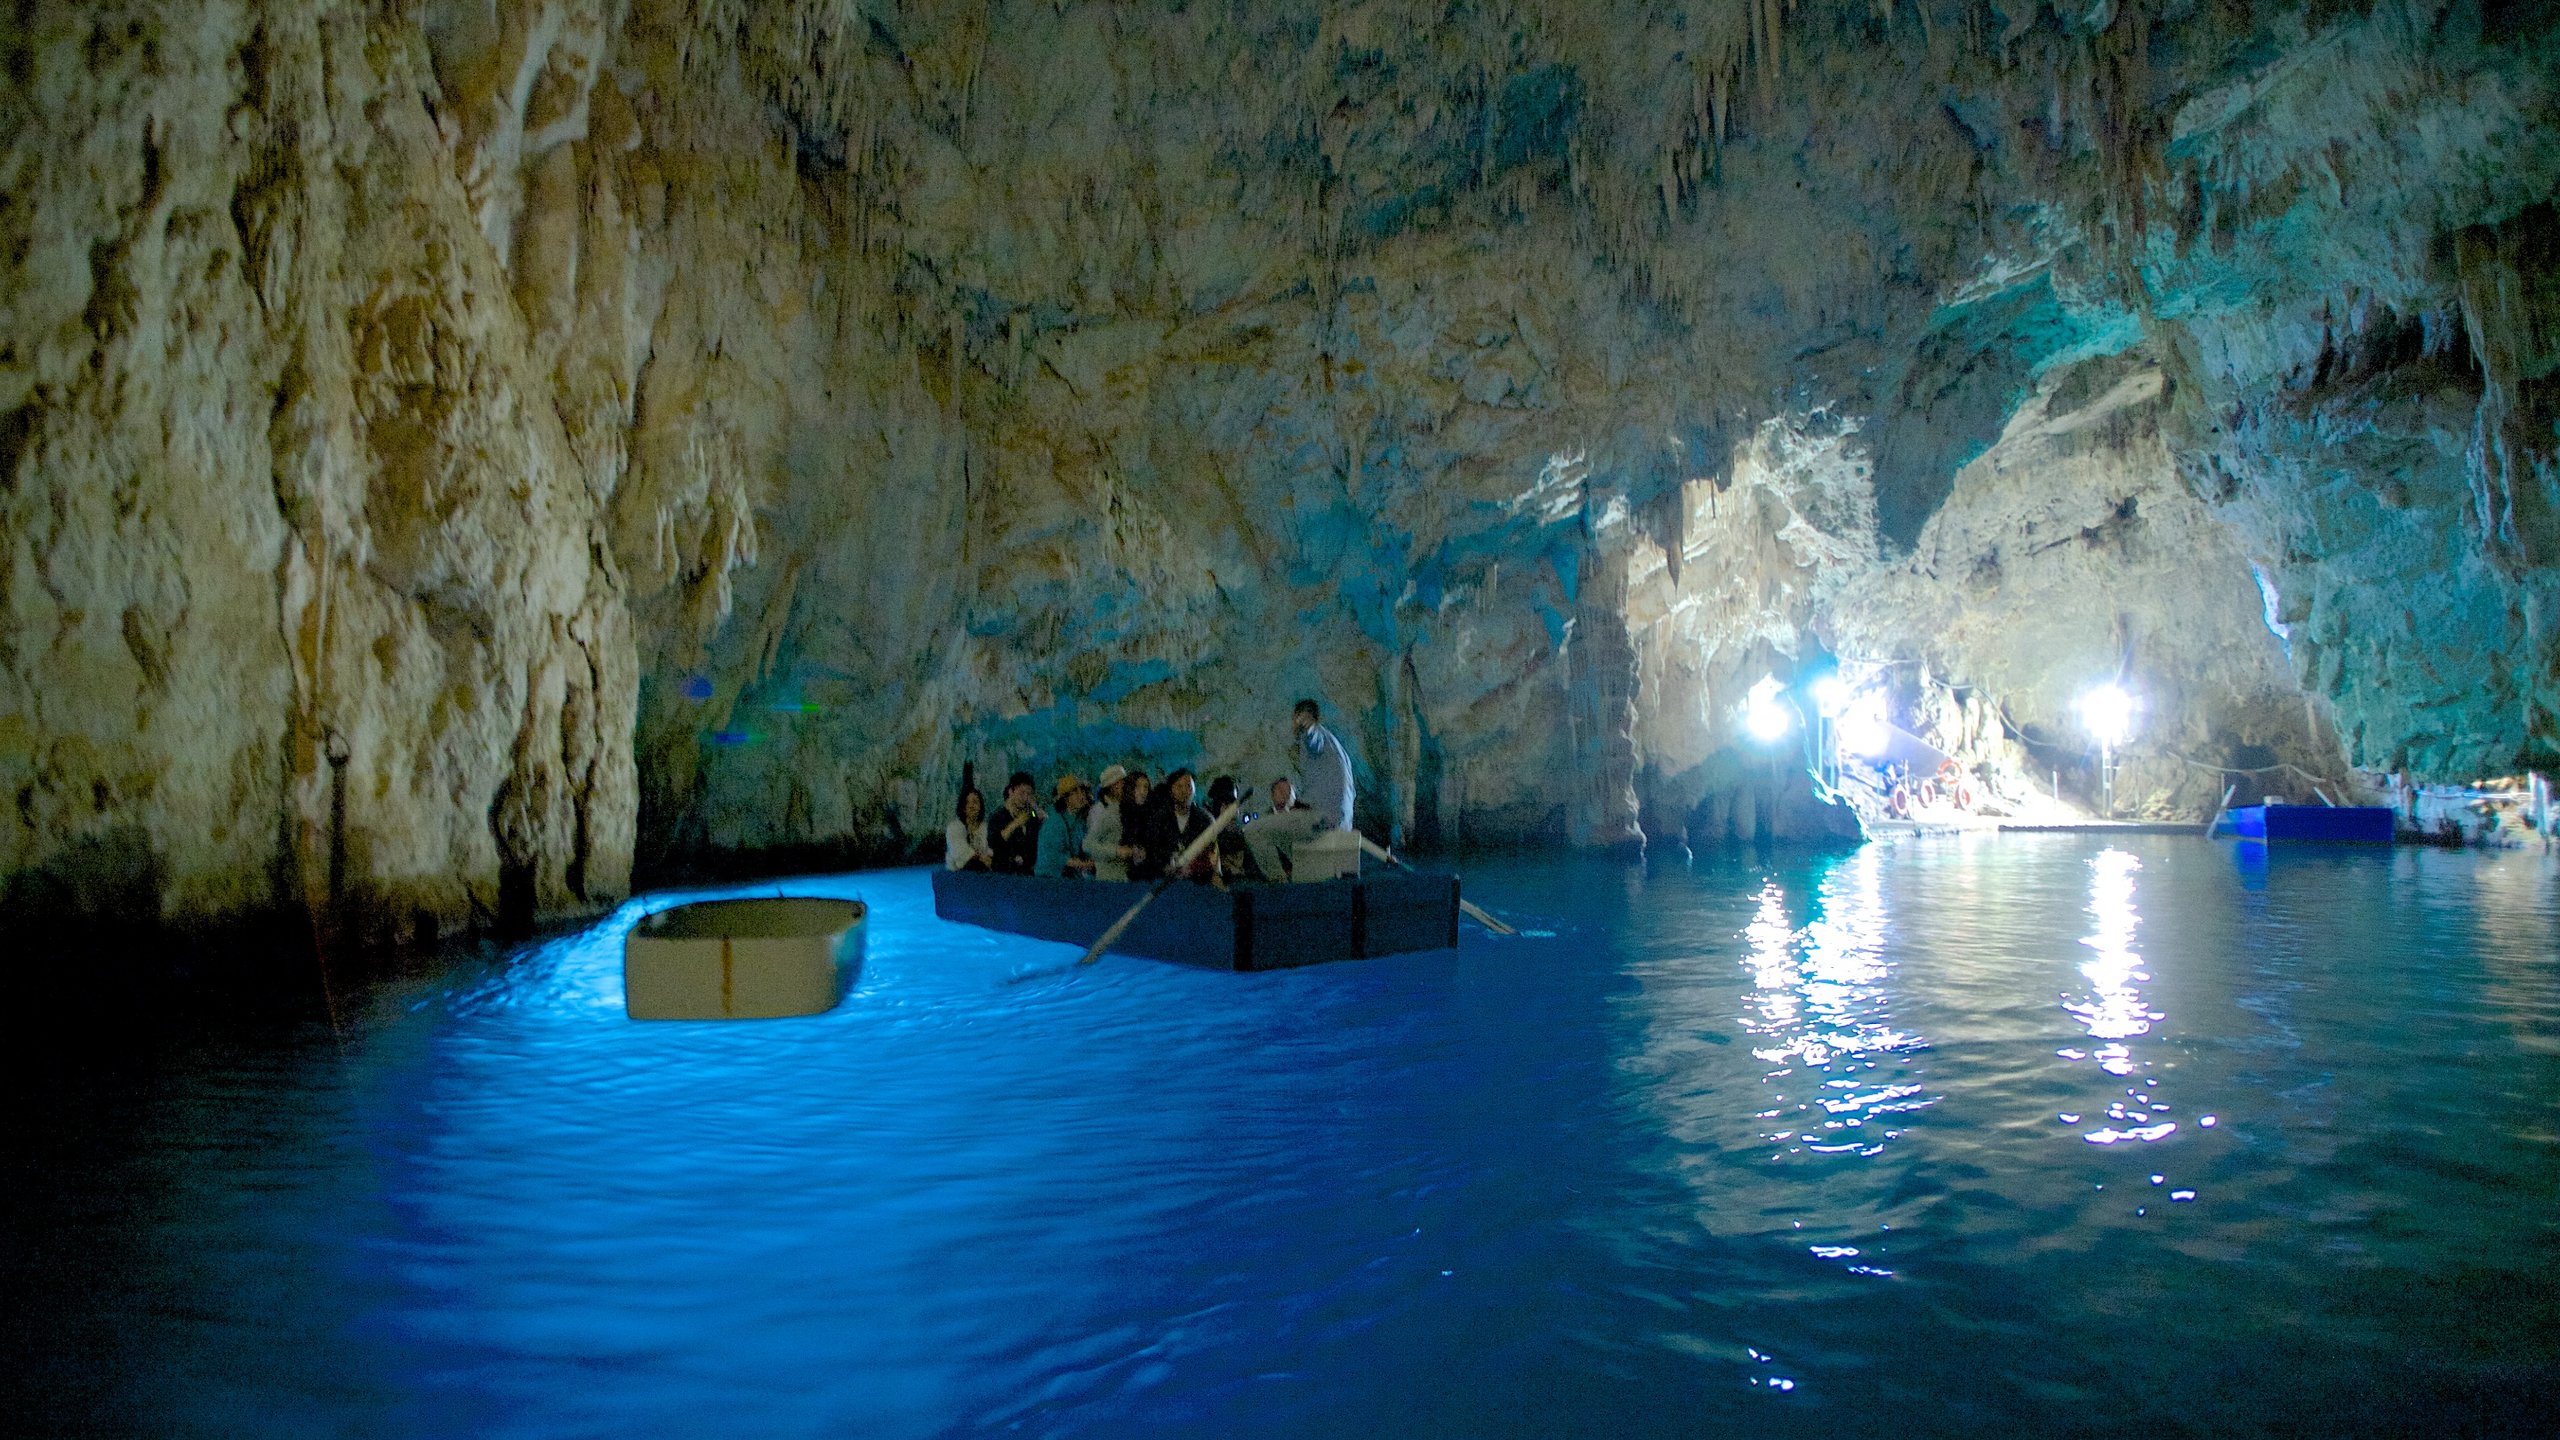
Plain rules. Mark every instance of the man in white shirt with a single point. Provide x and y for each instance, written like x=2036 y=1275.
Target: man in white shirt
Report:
x=1324 y=788
x=1324 y=767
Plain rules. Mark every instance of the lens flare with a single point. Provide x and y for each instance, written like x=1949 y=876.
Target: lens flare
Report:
x=1863 y=730
x=1763 y=716
x=2106 y=711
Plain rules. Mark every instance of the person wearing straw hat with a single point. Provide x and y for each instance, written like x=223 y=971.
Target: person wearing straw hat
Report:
x=1106 y=826
x=1062 y=839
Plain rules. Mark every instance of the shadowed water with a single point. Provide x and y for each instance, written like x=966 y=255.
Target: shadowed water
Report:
x=2054 y=1134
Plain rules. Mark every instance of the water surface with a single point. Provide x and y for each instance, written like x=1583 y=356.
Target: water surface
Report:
x=2052 y=1133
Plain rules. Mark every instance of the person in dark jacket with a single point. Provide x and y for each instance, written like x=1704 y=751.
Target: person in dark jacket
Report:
x=1234 y=861
x=1178 y=822
x=1014 y=833
x=1139 y=810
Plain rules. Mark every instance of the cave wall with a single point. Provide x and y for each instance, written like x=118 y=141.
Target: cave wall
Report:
x=2071 y=554
x=450 y=449
x=308 y=603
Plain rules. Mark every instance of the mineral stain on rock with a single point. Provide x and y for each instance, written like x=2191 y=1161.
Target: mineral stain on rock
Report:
x=451 y=452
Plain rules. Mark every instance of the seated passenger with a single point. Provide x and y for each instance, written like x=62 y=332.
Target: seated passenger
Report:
x=964 y=840
x=1233 y=861
x=1062 y=838
x=1107 y=828
x=1016 y=840
x=1178 y=822
x=1284 y=796
x=1138 y=811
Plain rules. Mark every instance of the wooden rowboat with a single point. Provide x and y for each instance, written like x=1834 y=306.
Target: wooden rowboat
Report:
x=753 y=959
x=1248 y=927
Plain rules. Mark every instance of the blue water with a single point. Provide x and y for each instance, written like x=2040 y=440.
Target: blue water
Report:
x=2055 y=1134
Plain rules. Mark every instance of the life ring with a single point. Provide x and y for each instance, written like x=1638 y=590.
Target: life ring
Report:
x=1928 y=794
x=1954 y=782
x=1899 y=802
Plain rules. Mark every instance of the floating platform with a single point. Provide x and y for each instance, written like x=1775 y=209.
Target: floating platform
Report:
x=2313 y=824
x=1247 y=927
x=755 y=959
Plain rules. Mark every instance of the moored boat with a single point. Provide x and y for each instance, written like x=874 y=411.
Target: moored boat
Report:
x=1247 y=927
x=2322 y=824
x=750 y=959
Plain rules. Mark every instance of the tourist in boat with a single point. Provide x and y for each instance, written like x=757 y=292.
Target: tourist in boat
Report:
x=1106 y=830
x=1268 y=861
x=964 y=840
x=1139 y=811
x=1015 y=830
x=1178 y=822
x=1235 y=859
x=1062 y=836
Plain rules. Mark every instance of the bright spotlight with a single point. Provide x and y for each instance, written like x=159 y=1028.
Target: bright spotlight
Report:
x=1863 y=731
x=1763 y=716
x=2106 y=711
x=1831 y=695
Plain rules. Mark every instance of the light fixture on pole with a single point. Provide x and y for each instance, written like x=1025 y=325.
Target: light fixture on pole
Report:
x=1831 y=697
x=2106 y=712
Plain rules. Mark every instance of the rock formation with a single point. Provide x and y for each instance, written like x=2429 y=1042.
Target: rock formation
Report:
x=449 y=449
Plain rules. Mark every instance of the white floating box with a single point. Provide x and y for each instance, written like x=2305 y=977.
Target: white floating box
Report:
x=756 y=959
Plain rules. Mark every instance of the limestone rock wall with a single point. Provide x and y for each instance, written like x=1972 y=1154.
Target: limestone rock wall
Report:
x=449 y=448
x=2068 y=555
x=309 y=598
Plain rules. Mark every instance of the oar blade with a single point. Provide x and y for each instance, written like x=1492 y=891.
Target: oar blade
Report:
x=1467 y=908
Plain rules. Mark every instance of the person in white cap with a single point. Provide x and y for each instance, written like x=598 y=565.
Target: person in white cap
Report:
x=1104 y=827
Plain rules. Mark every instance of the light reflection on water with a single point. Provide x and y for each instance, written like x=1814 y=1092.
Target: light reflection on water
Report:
x=1789 y=1147
x=2114 y=1011
x=1825 y=1011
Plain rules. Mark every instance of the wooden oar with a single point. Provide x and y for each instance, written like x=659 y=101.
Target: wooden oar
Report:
x=1172 y=872
x=1467 y=908
x=2220 y=810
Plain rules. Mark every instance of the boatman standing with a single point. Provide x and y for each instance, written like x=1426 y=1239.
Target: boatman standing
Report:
x=1324 y=784
x=1324 y=767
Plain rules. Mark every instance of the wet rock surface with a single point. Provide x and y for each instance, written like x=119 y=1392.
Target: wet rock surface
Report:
x=449 y=452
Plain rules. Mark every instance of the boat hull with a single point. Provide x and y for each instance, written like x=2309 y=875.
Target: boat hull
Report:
x=1249 y=927
x=2315 y=824
x=753 y=959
